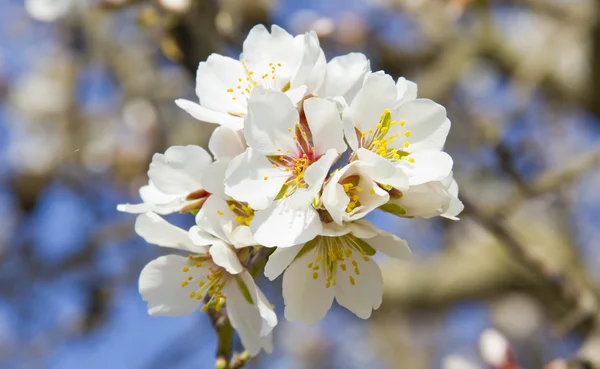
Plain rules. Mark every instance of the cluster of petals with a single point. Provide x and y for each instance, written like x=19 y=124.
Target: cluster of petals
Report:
x=303 y=150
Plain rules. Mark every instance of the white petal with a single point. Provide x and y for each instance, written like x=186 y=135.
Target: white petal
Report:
x=280 y=260
x=213 y=79
x=306 y=299
x=245 y=317
x=179 y=170
x=242 y=237
x=335 y=200
x=200 y=237
x=317 y=75
x=155 y=230
x=245 y=179
x=213 y=179
x=270 y=114
x=215 y=218
x=407 y=90
x=224 y=256
x=160 y=286
x=377 y=94
x=428 y=166
x=381 y=169
x=425 y=200
x=296 y=94
x=269 y=318
x=151 y=194
x=367 y=291
x=281 y=225
x=210 y=116
x=325 y=125
x=427 y=122
x=226 y=143
x=391 y=245
x=311 y=51
x=344 y=76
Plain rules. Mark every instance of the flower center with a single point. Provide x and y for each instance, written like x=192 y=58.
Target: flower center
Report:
x=352 y=190
x=379 y=139
x=334 y=256
x=208 y=278
x=296 y=163
x=247 y=82
x=243 y=213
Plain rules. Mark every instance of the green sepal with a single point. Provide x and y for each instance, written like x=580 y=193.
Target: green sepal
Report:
x=245 y=292
x=395 y=209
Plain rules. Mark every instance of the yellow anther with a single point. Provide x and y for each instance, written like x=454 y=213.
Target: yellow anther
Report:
x=184 y=283
x=357 y=271
x=354 y=263
x=343 y=267
x=316 y=267
x=198 y=265
x=233 y=98
x=289 y=130
x=358 y=189
x=265 y=178
x=310 y=265
x=411 y=160
x=406 y=144
x=239 y=87
x=288 y=151
x=230 y=89
x=366 y=258
x=328 y=284
x=190 y=278
x=352 y=282
x=192 y=294
x=279 y=64
x=185 y=269
x=370 y=131
x=402 y=123
x=315 y=275
x=219 y=212
x=372 y=191
x=274 y=165
x=201 y=283
x=392 y=123
x=204 y=308
x=407 y=133
x=363 y=134
x=312 y=149
x=232 y=207
x=279 y=151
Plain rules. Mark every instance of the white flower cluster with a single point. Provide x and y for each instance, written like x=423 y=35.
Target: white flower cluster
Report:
x=287 y=119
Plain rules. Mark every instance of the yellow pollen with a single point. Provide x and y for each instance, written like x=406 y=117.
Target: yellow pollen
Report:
x=315 y=275
x=192 y=294
x=366 y=258
x=239 y=80
x=406 y=144
x=316 y=267
x=279 y=64
x=234 y=98
x=230 y=89
x=343 y=267
x=402 y=123
x=356 y=271
x=265 y=178
x=232 y=207
x=354 y=263
x=201 y=283
x=407 y=133
x=219 y=212
x=184 y=283
x=372 y=191
x=185 y=269
x=411 y=160
x=312 y=149
x=310 y=265
x=289 y=130
x=352 y=282
x=274 y=165
x=328 y=284
x=204 y=308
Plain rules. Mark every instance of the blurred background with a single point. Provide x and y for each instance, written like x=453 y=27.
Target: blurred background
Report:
x=86 y=97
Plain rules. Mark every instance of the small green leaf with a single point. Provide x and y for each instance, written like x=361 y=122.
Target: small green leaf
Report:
x=393 y=209
x=308 y=246
x=244 y=289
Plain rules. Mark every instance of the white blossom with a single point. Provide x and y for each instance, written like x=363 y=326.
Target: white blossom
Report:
x=175 y=182
x=283 y=169
x=352 y=192
x=274 y=60
x=387 y=119
x=438 y=198
x=178 y=285
x=336 y=264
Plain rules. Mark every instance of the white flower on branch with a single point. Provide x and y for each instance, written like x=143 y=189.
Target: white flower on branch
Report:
x=277 y=61
x=283 y=169
x=175 y=182
x=386 y=119
x=336 y=264
x=209 y=277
